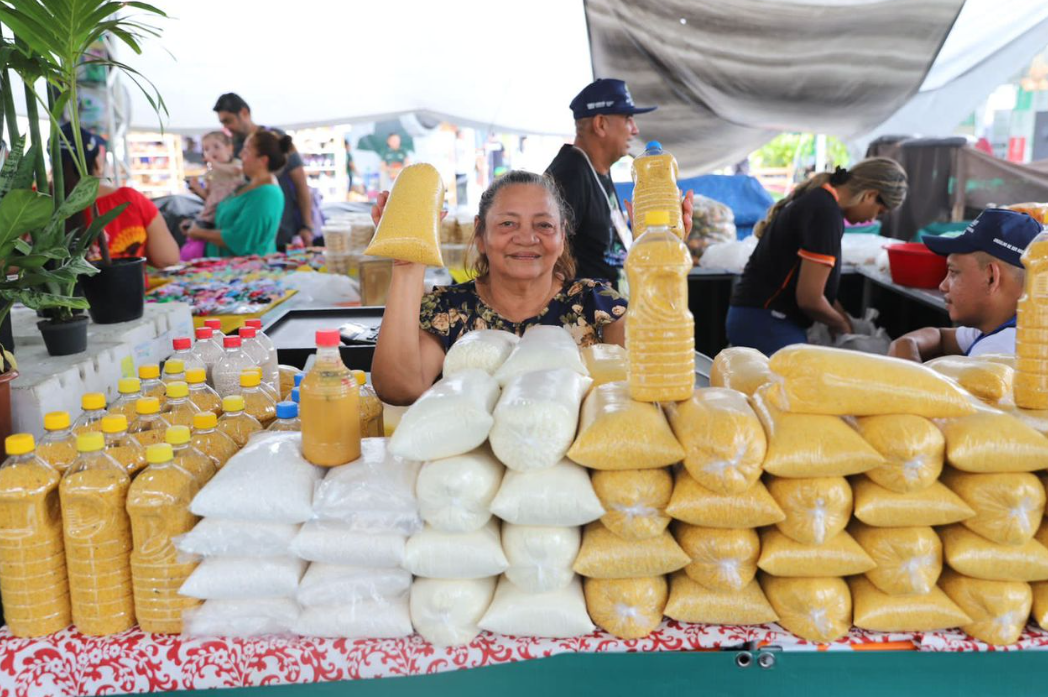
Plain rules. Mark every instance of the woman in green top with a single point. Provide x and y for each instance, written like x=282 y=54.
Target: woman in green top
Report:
x=247 y=222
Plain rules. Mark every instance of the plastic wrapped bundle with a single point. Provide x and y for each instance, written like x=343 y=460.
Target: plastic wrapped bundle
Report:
x=880 y=612
x=434 y=554
x=993 y=441
x=840 y=556
x=976 y=557
x=446 y=613
x=823 y=380
x=367 y=619
x=913 y=449
x=333 y=542
x=989 y=381
x=998 y=610
x=936 y=505
x=540 y=558
x=909 y=560
x=629 y=608
x=605 y=555
x=635 y=501
x=740 y=368
x=242 y=618
x=816 y=609
x=816 y=509
x=481 y=349
x=215 y=536
x=721 y=559
x=1040 y=603
x=693 y=602
x=617 y=433
x=605 y=363
x=543 y=347
x=559 y=613
x=339 y=584
x=561 y=496
x=695 y=504
x=1008 y=507
x=455 y=494
x=233 y=578
x=724 y=442
x=410 y=225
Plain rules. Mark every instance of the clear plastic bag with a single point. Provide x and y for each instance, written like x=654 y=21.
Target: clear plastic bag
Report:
x=243 y=618
x=561 y=496
x=232 y=578
x=740 y=368
x=331 y=542
x=635 y=501
x=913 y=449
x=556 y=614
x=540 y=558
x=721 y=559
x=993 y=441
x=481 y=349
x=455 y=494
x=879 y=612
x=988 y=380
x=446 y=613
x=1008 y=507
x=909 y=560
x=839 y=556
x=692 y=602
x=816 y=609
x=335 y=584
x=434 y=554
x=605 y=555
x=410 y=226
x=816 y=509
x=543 y=347
x=998 y=610
x=626 y=608
x=935 y=505
x=975 y=556
x=712 y=223
x=217 y=537
x=695 y=504
x=367 y=619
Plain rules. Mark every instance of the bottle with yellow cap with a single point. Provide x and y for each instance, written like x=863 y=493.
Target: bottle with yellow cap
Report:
x=130 y=390
x=174 y=371
x=93 y=405
x=370 y=408
x=151 y=385
x=121 y=445
x=660 y=330
x=200 y=393
x=189 y=457
x=183 y=351
x=33 y=579
x=179 y=410
x=256 y=402
x=158 y=507
x=58 y=446
x=235 y=422
x=149 y=425
x=210 y=441
x=97 y=536
x=263 y=385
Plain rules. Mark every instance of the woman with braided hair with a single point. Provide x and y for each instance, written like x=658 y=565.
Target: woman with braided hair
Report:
x=791 y=280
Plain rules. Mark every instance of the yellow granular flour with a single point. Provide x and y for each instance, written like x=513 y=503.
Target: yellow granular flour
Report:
x=909 y=560
x=975 y=556
x=605 y=363
x=410 y=225
x=989 y=381
x=724 y=442
x=209 y=440
x=740 y=368
x=998 y=610
x=993 y=441
x=1040 y=603
x=936 y=505
x=1008 y=507
x=617 y=433
x=237 y=423
x=823 y=380
x=691 y=602
x=629 y=608
x=816 y=509
x=721 y=559
x=816 y=609
x=605 y=555
x=880 y=612
x=912 y=446
x=840 y=556
x=695 y=504
x=635 y=501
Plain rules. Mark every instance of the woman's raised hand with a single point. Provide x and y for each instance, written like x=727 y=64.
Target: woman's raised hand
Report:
x=379 y=207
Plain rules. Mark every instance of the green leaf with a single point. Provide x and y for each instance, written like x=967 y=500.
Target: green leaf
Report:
x=23 y=178
x=82 y=241
x=38 y=300
x=7 y=173
x=23 y=210
x=23 y=247
x=82 y=196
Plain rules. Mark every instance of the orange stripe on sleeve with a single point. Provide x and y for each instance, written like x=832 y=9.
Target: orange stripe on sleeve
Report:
x=817 y=258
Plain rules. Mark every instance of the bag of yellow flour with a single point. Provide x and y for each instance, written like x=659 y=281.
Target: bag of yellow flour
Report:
x=605 y=363
x=998 y=609
x=912 y=446
x=909 y=560
x=721 y=559
x=936 y=505
x=823 y=380
x=816 y=609
x=816 y=509
x=993 y=441
x=606 y=555
x=629 y=608
x=692 y=602
x=1008 y=507
x=693 y=503
x=1040 y=603
x=635 y=501
x=841 y=556
x=880 y=612
x=724 y=443
x=987 y=380
x=975 y=556
x=740 y=368
x=410 y=226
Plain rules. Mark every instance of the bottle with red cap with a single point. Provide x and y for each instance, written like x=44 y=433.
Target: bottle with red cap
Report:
x=183 y=347
x=260 y=355
x=217 y=335
x=274 y=362
x=207 y=351
x=226 y=373
x=329 y=407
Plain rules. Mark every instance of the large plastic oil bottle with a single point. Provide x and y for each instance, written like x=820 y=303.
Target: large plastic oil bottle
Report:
x=1031 y=334
x=655 y=189
x=329 y=407
x=660 y=330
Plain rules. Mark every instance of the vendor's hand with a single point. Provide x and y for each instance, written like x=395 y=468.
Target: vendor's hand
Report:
x=906 y=348
x=307 y=236
x=195 y=233
x=380 y=207
x=687 y=210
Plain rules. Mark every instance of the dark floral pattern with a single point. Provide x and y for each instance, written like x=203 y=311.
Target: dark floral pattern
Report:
x=583 y=307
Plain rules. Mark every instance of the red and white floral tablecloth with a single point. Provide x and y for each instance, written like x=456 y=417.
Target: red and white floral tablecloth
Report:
x=68 y=663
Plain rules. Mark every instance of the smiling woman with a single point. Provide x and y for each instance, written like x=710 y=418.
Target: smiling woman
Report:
x=525 y=277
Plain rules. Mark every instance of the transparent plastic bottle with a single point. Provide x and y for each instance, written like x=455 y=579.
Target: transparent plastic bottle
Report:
x=660 y=330
x=130 y=392
x=655 y=189
x=261 y=355
x=93 y=406
x=257 y=403
x=183 y=351
x=200 y=394
x=210 y=441
x=218 y=335
x=329 y=407
x=371 y=425
x=179 y=410
x=122 y=446
x=151 y=385
x=174 y=371
x=188 y=457
x=287 y=418
x=235 y=422
x=149 y=426
x=227 y=371
x=274 y=361
x=262 y=384
x=207 y=351
x=158 y=508
x=33 y=578
x=97 y=536
x=1031 y=334
x=58 y=446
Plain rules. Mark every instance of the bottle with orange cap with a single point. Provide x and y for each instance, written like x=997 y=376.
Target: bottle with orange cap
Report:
x=371 y=422
x=33 y=577
x=207 y=350
x=58 y=446
x=227 y=371
x=257 y=403
x=235 y=422
x=329 y=406
x=200 y=393
x=210 y=441
x=93 y=406
x=178 y=409
x=121 y=445
x=150 y=383
x=130 y=390
x=149 y=425
x=158 y=508
x=97 y=536
x=189 y=457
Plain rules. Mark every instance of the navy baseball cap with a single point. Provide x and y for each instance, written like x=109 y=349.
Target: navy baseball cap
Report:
x=605 y=96
x=92 y=142
x=997 y=231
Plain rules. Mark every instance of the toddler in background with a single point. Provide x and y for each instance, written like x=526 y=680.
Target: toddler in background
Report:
x=224 y=176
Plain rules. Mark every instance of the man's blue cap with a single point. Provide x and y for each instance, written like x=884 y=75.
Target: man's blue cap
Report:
x=92 y=142
x=997 y=231
x=605 y=96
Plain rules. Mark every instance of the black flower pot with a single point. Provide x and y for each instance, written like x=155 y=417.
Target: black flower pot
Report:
x=64 y=338
x=117 y=292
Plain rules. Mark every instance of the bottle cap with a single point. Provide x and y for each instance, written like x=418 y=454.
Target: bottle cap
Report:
x=248 y=332
x=233 y=402
x=256 y=323
x=287 y=410
x=231 y=342
x=653 y=145
x=129 y=385
x=360 y=377
x=298 y=378
x=215 y=324
x=249 y=378
x=328 y=338
x=655 y=218
x=149 y=372
x=204 y=420
x=20 y=444
x=90 y=442
x=159 y=453
x=178 y=435
x=204 y=333
x=177 y=390
x=296 y=396
x=195 y=376
x=147 y=405
x=56 y=420
x=182 y=343
x=174 y=366
x=114 y=423
x=93 y=401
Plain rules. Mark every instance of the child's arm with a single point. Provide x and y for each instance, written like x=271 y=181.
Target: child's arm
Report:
x=232 y=168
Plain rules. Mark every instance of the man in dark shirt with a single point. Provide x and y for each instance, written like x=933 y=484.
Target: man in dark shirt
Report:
x=604 y=126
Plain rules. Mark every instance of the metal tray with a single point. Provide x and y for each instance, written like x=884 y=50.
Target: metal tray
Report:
x=294 y=332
